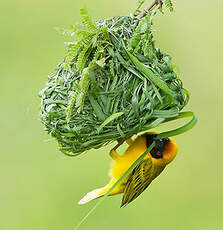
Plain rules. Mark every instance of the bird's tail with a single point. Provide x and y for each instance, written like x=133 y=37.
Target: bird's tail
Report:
x=93 y=195
x=102 y=191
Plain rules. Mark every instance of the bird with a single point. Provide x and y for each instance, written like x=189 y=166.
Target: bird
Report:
x=164 y=151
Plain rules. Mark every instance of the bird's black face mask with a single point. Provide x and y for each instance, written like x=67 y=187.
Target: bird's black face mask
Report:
x=157 y=151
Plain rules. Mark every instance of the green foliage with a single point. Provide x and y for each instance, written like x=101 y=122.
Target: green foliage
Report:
x=112 y=84
x=139 y=5
x=169 y=5
x=86 y=51
x=86 y=20
x=83 y=55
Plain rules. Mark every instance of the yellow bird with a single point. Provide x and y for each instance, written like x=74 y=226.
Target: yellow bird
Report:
x=151 y=166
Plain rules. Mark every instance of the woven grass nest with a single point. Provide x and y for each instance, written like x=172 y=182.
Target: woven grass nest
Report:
x=113 y=83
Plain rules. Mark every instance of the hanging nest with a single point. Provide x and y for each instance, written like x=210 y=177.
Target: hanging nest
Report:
x=112 y=84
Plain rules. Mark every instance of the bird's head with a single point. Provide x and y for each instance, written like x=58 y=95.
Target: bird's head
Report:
x=165 y=149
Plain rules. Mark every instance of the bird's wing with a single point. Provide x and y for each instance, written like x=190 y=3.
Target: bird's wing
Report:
x=139 y=180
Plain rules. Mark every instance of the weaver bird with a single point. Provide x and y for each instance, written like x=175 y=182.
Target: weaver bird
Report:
x=140 y=178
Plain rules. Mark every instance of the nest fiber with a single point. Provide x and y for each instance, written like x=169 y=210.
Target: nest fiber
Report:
x=113 y=83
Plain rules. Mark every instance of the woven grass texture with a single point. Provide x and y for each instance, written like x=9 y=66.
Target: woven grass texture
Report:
x=113 y=83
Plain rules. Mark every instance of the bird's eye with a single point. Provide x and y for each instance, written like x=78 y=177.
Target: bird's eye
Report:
x=157 y=151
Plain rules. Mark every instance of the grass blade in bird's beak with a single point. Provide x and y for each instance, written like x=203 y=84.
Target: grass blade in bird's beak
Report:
x=183 y=128
x=116 y=184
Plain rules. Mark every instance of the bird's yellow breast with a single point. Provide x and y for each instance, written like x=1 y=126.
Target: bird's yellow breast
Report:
x=133 y=152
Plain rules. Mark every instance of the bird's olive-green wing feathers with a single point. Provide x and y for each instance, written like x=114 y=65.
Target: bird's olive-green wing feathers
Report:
x=140 y=179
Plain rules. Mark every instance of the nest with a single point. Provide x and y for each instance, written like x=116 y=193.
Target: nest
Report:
x=112 y=84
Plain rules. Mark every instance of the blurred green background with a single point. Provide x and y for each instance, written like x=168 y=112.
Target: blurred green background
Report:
x=40 y=187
